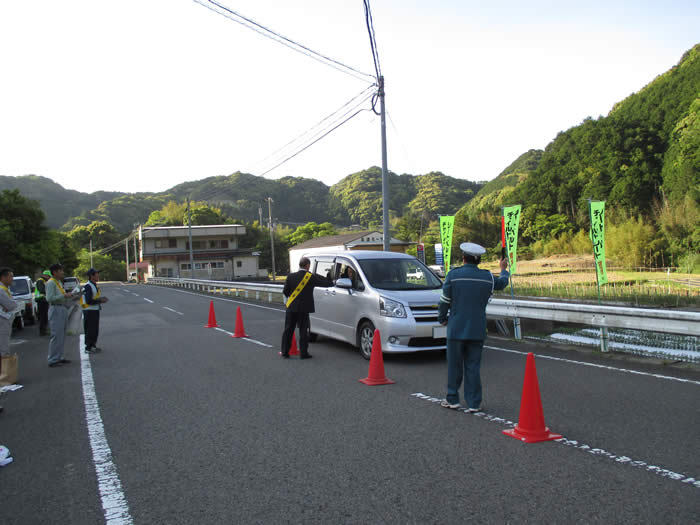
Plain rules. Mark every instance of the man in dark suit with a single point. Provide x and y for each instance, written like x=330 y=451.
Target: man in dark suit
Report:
x=299 y=290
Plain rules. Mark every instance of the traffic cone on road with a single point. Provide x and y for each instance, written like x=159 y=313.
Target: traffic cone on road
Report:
x=239 y=331
x=376 y=374
x=212 y=317
x=294 y=350
x=530 y=427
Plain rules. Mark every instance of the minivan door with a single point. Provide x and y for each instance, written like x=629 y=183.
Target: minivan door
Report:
x=342 y=305
x=325 y=267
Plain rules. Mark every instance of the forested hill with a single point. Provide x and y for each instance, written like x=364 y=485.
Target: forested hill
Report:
x=355 y=199
x=647 y=149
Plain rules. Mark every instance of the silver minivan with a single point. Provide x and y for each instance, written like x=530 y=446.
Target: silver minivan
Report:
x=392 y=292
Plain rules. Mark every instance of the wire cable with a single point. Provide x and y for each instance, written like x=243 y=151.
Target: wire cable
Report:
x=372 y=38
x=288 y=42
x=319 y=134
x=314 y=142
x=363 y=95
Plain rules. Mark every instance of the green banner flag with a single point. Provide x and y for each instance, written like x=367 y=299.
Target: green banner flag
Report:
x=597 y=235
x=447 y=224
x=511 y=214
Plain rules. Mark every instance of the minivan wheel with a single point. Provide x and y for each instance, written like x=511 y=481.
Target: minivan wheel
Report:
x=365 y=336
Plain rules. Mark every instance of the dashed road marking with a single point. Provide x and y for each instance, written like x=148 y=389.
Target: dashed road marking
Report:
x=659 y=471
x=595 y=365
x=114 y=504
x=147 y=300
x=174 y=311
x=244 y=338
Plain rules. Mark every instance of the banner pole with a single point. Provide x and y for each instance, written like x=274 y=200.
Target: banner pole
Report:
x=516 y=320
x=603 y=329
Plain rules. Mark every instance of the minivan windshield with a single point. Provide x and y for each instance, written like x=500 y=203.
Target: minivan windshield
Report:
x=399 y=274
x=19 y=287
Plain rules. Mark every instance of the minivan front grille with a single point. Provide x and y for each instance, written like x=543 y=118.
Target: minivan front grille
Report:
x=425 y=313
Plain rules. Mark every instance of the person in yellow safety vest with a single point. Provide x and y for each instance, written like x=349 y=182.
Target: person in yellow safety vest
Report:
x=92 y=301
x=41 y=304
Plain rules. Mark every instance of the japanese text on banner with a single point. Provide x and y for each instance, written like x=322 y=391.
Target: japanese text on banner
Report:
x=447 y=224
x=597 y=235
x=511 y=214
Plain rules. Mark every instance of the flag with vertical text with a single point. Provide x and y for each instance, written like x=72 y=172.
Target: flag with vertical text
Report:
x=597 y=235
x=511 y=217
x=447 y=224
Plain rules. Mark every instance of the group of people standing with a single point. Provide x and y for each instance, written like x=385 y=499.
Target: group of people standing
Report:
x=53 y=306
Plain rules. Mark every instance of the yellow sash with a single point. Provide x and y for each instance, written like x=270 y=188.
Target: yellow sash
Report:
x=57 y=284
x=82 y=297
x=6 y=290
x=299 y=288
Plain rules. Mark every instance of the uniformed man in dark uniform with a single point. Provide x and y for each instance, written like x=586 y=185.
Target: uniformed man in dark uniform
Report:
x=41 y=303
x=465 y=294
x=299 y=290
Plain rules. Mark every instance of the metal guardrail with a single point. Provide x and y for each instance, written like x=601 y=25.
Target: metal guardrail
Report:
x=681 y=322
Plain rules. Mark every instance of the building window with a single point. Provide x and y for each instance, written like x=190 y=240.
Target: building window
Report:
x=219 y=243
x=197 y=245
x=239 y=264
x=185 y=266
x=219 y=265
x=166 y=243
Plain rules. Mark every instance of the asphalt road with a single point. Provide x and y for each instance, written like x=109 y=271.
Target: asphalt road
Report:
x=205 y=428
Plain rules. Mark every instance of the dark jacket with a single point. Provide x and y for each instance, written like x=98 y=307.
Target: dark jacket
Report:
x=304 y=302
x=465 y=294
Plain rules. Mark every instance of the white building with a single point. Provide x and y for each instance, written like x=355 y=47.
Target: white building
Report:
x=364 y=240
x=215 y=248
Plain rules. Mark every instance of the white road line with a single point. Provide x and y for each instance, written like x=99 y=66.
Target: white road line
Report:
x=586 y=448
x=114 y=504
x=147 y=300
x=137 y=295
x=244 y=338
x=229 y=300
x=595 y=365
x=174 y=311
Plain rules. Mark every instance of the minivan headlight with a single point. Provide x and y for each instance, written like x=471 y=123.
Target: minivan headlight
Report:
x=390 y=308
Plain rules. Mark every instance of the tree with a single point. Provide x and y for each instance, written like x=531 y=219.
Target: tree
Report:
x=110 y=270
x=309 y=231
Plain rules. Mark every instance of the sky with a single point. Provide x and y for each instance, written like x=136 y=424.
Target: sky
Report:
x=140 y=95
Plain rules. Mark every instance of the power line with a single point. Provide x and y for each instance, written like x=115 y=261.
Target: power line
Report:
x=314 y=142
x=321 y=133
x=372 y=39
x=364 y=93
x=288 y=42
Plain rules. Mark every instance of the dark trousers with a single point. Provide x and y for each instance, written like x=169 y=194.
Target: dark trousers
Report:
x=43 y=311
x=291 y=321
x=91 y=323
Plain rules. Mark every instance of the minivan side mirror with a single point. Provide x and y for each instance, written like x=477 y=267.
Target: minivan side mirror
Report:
x=344 y=282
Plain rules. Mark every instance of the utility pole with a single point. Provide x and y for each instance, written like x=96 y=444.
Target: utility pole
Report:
x=272 y=235
x=136 y=254
x=189 y=228
x=126 y=243
x=385 y=173
x=260 y=215
x=91 y=265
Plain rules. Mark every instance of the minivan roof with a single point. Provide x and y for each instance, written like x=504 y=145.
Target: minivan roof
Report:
x=362 y=254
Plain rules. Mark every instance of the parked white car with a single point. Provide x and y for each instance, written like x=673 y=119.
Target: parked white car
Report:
x=392 y=292
x=22 y=290
x=438 y=270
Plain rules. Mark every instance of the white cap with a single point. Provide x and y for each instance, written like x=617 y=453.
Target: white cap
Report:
x=472 y=249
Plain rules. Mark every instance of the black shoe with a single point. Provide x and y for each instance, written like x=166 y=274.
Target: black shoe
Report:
x=57 y=363
x=0 y=409
x=91 y=350
x=284 y=356
x=305 y=356
x=64 y=361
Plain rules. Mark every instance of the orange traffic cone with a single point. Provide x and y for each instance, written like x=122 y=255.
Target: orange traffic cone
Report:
x=294 y=350
x=376 y=374
x=239 y=331
x=530 y=427
x=212 y=317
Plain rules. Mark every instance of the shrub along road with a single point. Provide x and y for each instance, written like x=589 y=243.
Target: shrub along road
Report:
x=205 y=428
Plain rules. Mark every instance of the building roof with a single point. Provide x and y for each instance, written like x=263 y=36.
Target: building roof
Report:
x=344 y=240
x=186 y=227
